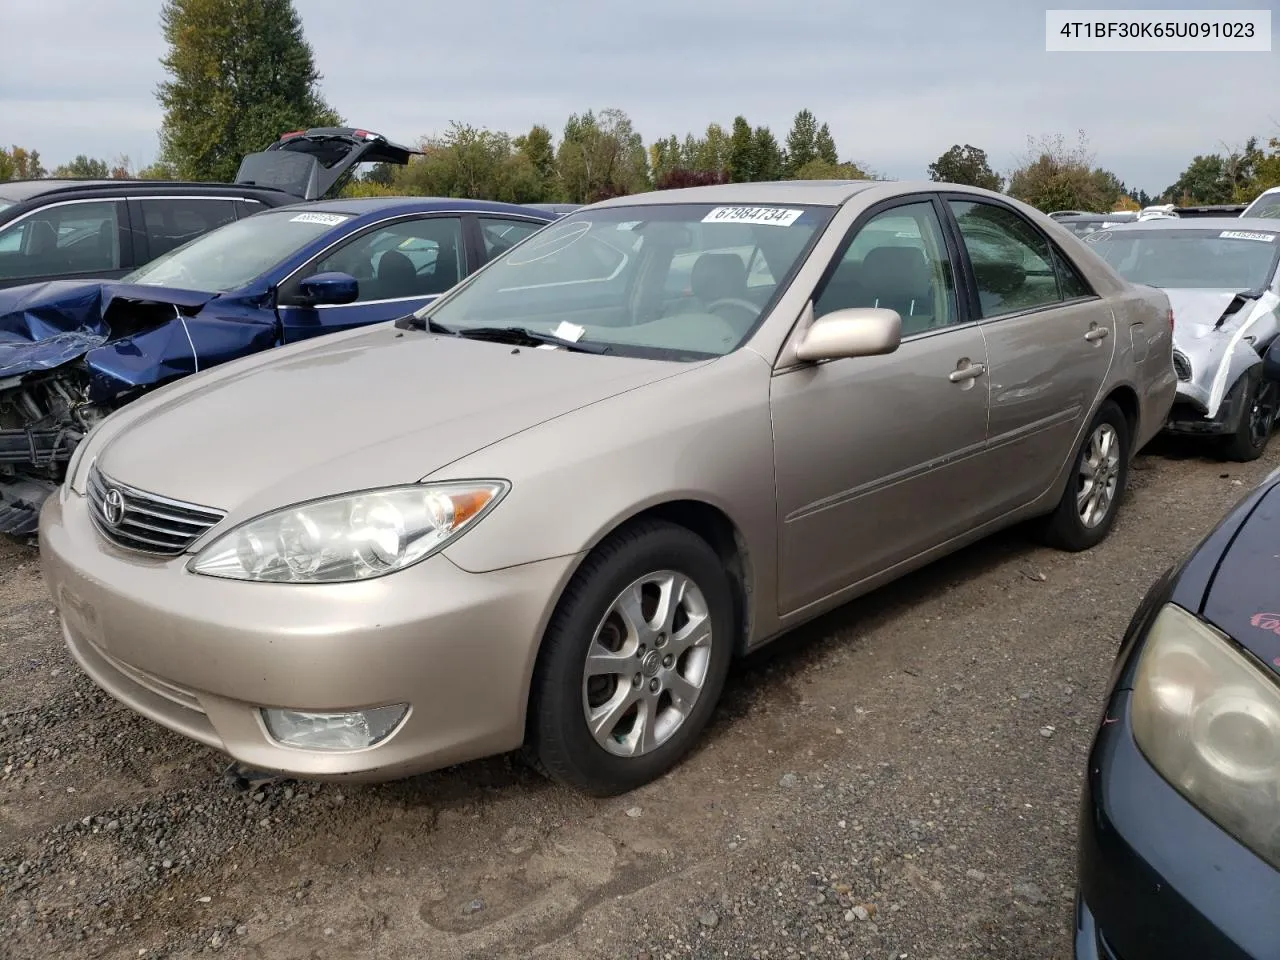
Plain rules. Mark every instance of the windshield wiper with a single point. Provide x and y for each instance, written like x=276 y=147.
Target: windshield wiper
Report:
x=523 y=336
x=414 y=322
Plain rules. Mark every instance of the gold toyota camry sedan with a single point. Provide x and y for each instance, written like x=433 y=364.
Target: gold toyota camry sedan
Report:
x=550 y=508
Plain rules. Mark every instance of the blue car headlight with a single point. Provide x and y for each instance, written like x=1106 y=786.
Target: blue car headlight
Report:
x=1207 y=717
x=350 y=537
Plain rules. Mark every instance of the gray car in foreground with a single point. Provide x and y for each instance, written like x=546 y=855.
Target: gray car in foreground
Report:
x=551 y=508
x=1222 y=276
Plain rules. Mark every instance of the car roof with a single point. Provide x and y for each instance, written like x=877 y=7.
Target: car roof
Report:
x=360 y=206
x=23 y=190
x=823 y=193
x=1203 y=223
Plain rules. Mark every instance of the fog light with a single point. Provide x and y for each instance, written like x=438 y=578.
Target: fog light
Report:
x=334 y=731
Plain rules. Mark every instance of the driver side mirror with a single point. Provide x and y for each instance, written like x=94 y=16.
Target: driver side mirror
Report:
x=1271 y=361
x=855 y=332
x=329 y=288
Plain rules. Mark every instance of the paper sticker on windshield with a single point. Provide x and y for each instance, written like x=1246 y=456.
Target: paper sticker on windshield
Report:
x=328 y=219
x=569 y=331
x=1245 y=235
x=771 y=216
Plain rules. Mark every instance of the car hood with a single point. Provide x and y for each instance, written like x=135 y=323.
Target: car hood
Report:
x=1242 y=599
x=44 y=325
x=1196 y=311
x=344 y=413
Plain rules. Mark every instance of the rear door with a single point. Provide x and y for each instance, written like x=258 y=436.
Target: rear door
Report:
x=1050 y=340
x=400 y=265
x=69 y=239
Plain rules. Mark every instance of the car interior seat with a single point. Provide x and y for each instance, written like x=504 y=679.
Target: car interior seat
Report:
x=899 y=278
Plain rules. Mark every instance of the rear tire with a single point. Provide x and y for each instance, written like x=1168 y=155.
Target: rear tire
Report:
x=1257 y=420
x=653 y=610
x=1085 y=514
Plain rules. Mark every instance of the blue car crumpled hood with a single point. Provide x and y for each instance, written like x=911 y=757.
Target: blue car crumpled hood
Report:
x=44 y=325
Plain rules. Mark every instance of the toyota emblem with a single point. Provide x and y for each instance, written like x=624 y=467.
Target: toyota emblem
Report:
x=113 y=507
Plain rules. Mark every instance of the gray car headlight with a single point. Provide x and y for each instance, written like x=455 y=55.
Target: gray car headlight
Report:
x=1208 y=719
x=351 y=537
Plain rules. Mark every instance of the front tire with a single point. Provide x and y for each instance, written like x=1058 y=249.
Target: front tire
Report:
x=634 y=660
x=1085 y=514
x=1257 y=420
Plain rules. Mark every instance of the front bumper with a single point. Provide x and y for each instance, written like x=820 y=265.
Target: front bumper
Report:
x=1158 y=880
x=1188 y=417
x=201 y=655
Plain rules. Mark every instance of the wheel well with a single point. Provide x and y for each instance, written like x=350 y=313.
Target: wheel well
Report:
x=1127 y=400
x=714 y=526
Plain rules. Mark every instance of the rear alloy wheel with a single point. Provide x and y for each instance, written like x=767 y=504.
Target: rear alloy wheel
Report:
x=1257 y=421
x=1087 y=510
x=634 y=660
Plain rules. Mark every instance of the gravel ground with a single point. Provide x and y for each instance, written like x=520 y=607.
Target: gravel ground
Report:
x=897 y=780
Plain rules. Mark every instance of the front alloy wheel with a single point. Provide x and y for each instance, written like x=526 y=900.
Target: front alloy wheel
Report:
x=633 y=661
x=647 y=664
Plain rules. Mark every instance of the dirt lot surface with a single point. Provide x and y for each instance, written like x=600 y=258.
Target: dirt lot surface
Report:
x=898 y=780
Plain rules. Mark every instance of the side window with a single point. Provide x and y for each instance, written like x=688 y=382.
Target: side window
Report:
x=1070 y=282
x=62 y=239
x=501 y=235
x=412 y=258
x=171 y=222
x=1012 y=262
x=898 y=261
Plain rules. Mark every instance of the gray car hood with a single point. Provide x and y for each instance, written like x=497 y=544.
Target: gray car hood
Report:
x=350 y=413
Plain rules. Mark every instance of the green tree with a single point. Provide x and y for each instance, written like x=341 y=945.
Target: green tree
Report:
x=967 y=165
x=825 y=146
x=159 y=170
x=1204 y=181
x=1053 y=176
x=19 y=163
x=241 y=74
x=819 y=169
x=770 y=162
x=802 y=142
x=537 y=147
x=83 y=168
x=741 y=163
x=601 y=156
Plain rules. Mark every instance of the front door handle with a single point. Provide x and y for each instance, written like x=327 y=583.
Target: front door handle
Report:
x=1096 y=333
x=967 y=373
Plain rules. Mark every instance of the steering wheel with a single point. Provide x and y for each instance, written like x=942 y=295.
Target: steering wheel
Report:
x=747 y=305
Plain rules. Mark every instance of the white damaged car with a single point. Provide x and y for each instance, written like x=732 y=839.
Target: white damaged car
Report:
x=1222 y=276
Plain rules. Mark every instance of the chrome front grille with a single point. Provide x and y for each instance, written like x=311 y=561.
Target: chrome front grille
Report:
x=1181 y=365
x=145 y=522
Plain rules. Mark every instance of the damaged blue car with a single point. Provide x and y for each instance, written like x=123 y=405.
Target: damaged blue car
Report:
x=72 y=351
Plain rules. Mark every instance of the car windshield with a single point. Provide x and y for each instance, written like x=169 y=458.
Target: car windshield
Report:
x=668 y=280
x=1238 y=260
x=1266 y=206
x=237 y=254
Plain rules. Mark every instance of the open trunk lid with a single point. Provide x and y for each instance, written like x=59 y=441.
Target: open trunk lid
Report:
x=312 y=163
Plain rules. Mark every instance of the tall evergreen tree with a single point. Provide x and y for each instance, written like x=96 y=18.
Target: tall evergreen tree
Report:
x=241 y=74
x=802 y=145
x=771 y=162
x=825 y=146
x=742 y=153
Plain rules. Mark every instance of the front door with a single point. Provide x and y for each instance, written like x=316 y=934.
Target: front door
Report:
x=400 y=267
x=878 y=459
x=1050 y=340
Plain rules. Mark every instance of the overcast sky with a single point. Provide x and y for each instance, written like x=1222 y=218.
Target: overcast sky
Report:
x=897 y=82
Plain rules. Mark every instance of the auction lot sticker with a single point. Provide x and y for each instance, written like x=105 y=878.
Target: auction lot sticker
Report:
x=328 y=219
x=771 y=216
x=1246 y=235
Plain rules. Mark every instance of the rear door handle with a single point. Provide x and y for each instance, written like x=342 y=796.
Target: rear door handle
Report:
x=1097 y=333
x=970 y=372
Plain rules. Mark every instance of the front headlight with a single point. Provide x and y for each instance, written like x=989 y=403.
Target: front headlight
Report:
x=352 y=537
x=1208 y=719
